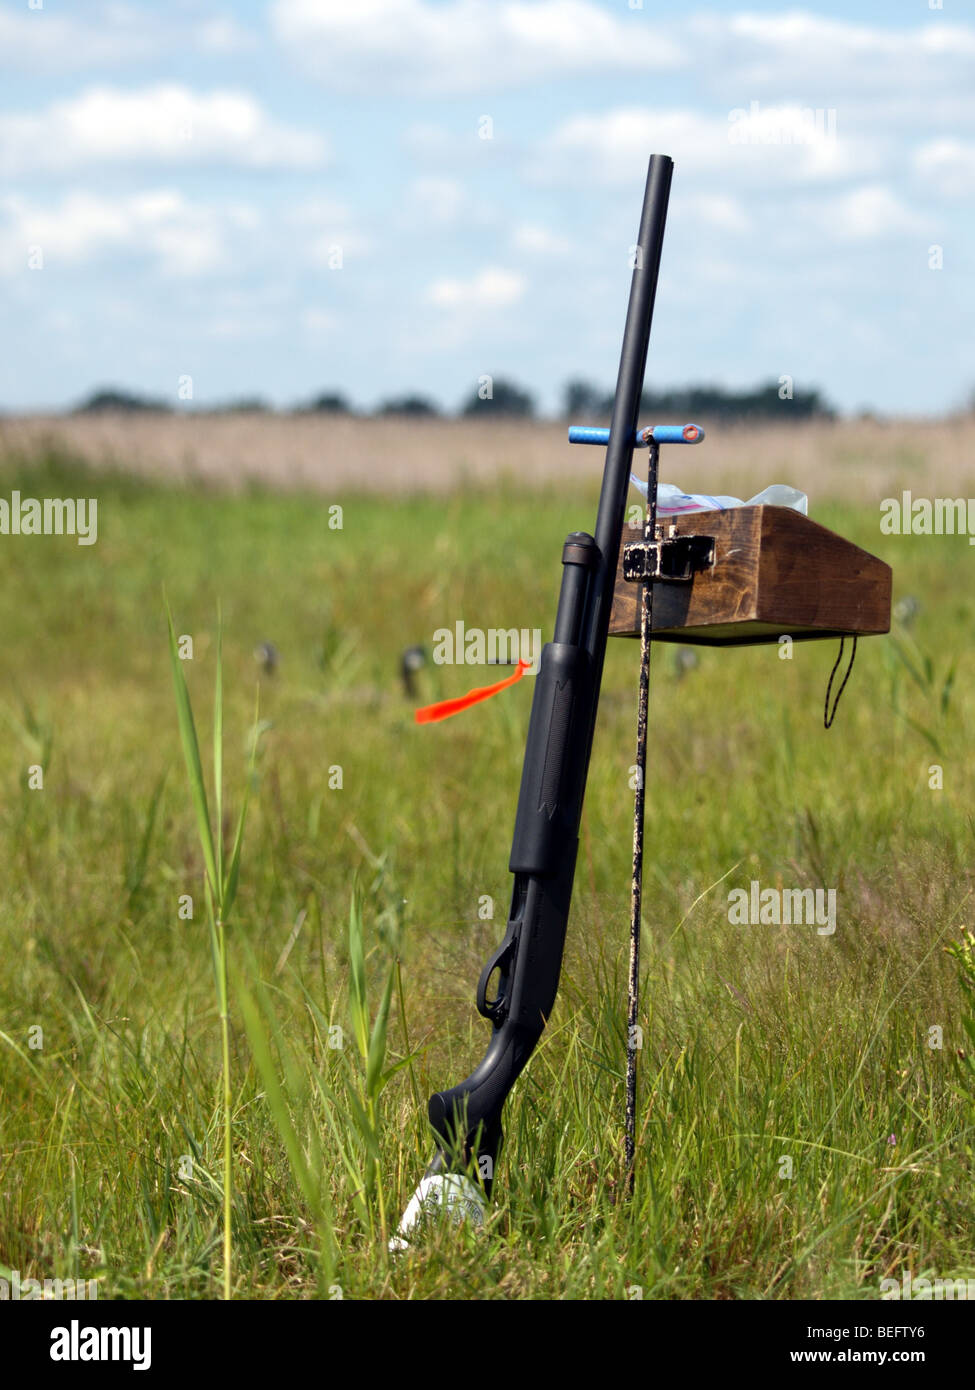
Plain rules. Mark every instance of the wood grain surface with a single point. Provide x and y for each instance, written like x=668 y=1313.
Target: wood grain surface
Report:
x=775 y=572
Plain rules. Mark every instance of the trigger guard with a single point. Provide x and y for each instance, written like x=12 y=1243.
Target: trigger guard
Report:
x=495 y=1009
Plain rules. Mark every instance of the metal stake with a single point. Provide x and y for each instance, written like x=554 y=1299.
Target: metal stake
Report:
x=636 y=889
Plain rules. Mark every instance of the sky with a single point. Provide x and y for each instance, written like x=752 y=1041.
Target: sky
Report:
x=202 y=202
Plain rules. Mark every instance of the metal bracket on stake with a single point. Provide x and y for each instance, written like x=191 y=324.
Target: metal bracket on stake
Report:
x=675 y=559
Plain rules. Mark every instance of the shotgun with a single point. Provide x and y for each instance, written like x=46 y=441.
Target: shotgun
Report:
x=518 y=985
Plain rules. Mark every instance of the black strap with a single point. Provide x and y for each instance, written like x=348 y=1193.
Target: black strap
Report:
x=827 y=716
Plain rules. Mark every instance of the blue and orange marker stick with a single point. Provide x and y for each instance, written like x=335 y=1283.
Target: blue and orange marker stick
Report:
x=661 y=434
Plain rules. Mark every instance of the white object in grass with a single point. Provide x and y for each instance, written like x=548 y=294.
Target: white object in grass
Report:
x=452 y=1194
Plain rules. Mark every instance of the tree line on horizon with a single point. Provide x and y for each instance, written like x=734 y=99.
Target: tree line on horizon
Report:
x=582 y=402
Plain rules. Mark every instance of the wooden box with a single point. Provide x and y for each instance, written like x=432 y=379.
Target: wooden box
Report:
x=775 y=572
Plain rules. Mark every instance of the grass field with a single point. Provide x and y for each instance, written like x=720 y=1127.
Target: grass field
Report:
x=761 y=1043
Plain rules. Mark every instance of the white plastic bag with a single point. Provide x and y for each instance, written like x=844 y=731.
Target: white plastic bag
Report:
x=671 y=501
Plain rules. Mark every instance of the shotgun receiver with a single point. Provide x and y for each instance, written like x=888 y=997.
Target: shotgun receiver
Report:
x=519 y=983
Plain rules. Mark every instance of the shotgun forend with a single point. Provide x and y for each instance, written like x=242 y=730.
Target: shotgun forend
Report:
x=519 y=983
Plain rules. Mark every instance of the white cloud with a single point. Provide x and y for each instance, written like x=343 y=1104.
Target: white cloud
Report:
x=813 y=130
x=436 y=201
x=319 y=323
x=222 y=34
x=248 y=312
x=867 y=214
x=183 y=239
x=798 y=52
x=39 y=40
x=433 y=206
x=773 y=144
x=462 y=46
x=109 y=35
x=949 y=165
x=491 y=288
x=539 y=241
x=324 y=227
x=459 y=151
x=609 y=146
x=720 y=210
x=162 y=124
x=427 y=141
x=465 y=45
x=836 y=40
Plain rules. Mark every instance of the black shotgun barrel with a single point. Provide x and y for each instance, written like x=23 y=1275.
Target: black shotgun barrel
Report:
x=626 y=407
x=519 y=983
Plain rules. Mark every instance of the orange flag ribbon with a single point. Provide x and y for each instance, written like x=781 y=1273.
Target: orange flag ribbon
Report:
x=429 y=714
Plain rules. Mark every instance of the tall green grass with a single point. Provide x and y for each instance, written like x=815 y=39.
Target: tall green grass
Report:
x=342 y=994
x=220 y=881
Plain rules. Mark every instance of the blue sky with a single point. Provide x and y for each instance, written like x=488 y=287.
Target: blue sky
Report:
x=287 y=197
